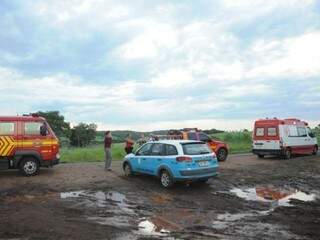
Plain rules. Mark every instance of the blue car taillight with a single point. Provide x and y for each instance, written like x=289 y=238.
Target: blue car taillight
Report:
x=183 y=159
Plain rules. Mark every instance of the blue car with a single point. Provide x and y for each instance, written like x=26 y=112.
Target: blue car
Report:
x=173 y=160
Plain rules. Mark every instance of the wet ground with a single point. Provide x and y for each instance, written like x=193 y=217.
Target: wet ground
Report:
x=250 y=199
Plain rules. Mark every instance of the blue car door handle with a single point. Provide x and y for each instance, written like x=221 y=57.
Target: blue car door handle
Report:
x=144 y=159
x=159 y=159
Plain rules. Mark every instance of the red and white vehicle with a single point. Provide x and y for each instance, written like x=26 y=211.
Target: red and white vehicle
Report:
x=283 y=138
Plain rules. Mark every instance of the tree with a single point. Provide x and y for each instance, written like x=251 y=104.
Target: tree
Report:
x=83 y=134
x=57 y=123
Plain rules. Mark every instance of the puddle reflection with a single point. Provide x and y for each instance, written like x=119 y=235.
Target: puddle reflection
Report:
x=146 y=227
x=276 y=196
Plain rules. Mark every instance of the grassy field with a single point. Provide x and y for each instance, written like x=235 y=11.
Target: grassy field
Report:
x=91 y=154
x=239 y=142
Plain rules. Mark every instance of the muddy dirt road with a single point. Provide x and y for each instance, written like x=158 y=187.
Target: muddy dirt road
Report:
x=250 y=199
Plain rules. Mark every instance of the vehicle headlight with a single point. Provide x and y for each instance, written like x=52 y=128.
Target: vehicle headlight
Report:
x=58 y=156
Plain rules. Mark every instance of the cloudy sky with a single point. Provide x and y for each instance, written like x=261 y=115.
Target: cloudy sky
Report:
x=161 y=64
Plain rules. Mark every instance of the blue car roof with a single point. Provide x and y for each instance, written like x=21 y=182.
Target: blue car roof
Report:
x=177 y=141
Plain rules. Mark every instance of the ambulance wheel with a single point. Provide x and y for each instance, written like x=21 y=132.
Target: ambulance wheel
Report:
x=260 y=156
x=315 y=150
x=222 y=154
x=29 y=166
x=287 y=153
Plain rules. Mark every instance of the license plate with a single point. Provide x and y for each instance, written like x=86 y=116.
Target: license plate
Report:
x=203 y=163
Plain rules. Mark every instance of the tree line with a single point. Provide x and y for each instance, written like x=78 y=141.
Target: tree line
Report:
x=83 y=134
x=80 y=135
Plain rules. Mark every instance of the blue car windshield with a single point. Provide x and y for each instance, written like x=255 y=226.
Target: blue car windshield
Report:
x=195 y=148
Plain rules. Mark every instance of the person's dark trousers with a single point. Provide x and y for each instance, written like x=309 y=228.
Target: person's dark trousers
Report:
x=129 y=150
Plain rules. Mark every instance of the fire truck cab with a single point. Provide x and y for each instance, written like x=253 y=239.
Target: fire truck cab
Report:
x=220 y=148
x=27 y=143
x=283 y=138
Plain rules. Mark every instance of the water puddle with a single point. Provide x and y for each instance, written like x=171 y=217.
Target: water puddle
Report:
x=75 y=194
x=114 y=208
x=268 y=194
x=276 y=196
x=147 y=227
x=99 y=199
x=224 y=220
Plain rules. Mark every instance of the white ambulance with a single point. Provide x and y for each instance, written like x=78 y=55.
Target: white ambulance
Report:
x=283 y=138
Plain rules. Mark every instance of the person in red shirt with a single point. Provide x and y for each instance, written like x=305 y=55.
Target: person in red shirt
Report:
x=129 y=144
x=107 y=148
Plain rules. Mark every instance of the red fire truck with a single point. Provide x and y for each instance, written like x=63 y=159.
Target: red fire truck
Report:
x=27 y=143
x=220 y=148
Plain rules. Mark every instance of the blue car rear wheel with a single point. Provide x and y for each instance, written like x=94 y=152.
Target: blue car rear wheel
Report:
x=166 y=179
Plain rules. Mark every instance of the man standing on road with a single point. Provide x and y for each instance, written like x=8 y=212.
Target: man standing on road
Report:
x=107 y=148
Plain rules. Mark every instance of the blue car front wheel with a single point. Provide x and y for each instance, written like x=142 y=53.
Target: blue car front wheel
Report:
x=127 y=170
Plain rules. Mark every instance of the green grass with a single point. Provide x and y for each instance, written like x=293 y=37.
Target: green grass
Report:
x=91 y=154
x=238 y=141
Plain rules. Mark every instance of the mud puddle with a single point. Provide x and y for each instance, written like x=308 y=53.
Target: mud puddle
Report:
x=147 y=227
x=159 y=220
x=274 y=195
x=243 y=223
x=114 y=209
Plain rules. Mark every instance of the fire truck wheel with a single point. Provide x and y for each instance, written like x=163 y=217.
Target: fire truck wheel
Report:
x=29 y=166
x=260 y=156
x=222 y=154
x=315 y=150
x=287 y=153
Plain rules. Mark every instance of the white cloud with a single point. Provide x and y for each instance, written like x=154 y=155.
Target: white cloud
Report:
x=173 y=79
x=196 y=66
x=248 y=89
x=262 y=4
x=154 y=37
x=291 y=57
x=225 y=124
x=60 y=87
x=80 y=15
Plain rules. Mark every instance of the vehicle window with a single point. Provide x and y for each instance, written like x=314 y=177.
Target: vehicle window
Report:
x=32 y=128
x=145 y=149
x=302 y=132
x=259 y=132
x=293 y=131
x=196 y=148
x=157 y=150
x=192 y=136
x=272 y=131
x=44 y=129
x=204 y=137
x=6 y=128
x=171 y=150
x=310 y=133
